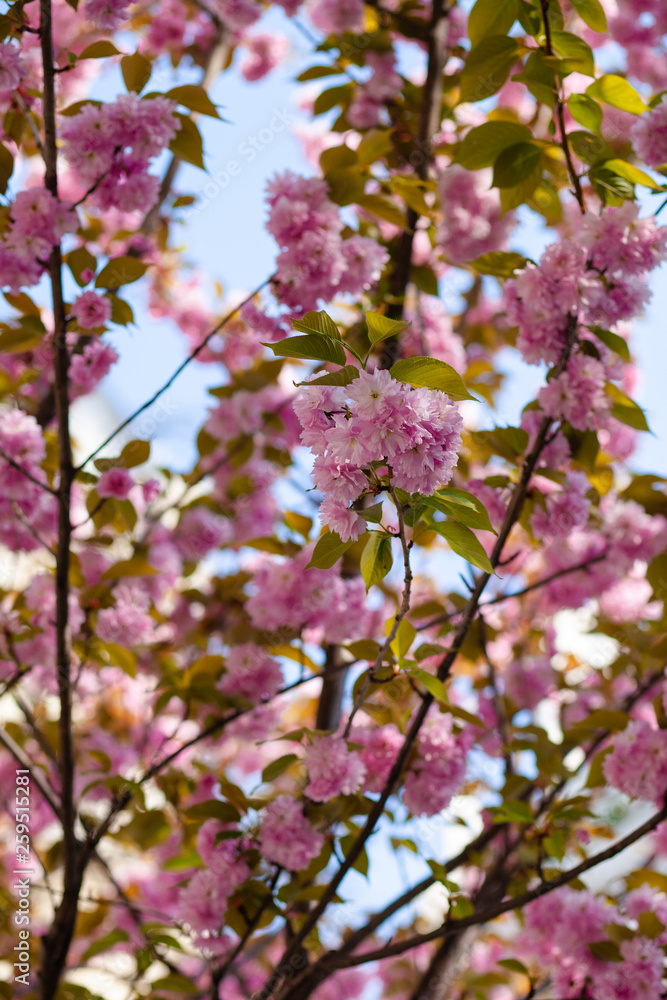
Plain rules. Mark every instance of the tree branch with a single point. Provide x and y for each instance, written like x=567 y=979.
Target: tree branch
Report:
x=491 y=912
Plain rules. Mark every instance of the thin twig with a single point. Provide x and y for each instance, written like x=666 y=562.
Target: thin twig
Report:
x=172 y=378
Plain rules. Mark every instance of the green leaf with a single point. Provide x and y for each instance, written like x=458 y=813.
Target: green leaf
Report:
x=611 y=188
x=120 y=271
x=462 y=541
x=317 y=322
x=121 y=311
x=464 y=507
x=137 y=566
x=312 y=346
x=136 y=70
x=616 y=90
x=590 y=148
x=499 y=263
x=432 y=374
x=605 y=951
x=372 y=514
x=483 y=144
x=513 y=811
x=577 y=55
x=380 y=327
x=213 y=809
x=508 y=442
x=278 y=767
x=626 y=410
x=135 y=453
x=487 y=67
x=613 y=341
x=343 y=376
x=316 y=72
x=432 y=683
x=80 y=260
x=195 y=98
x=515 y=164
x=108 y=941
x=374 y=145
x=585 y=111
x=513 y=965
x=328 y=550
x=187 y=143
x=591 y=13
x=603 y=718
x=100 y=50
x=384 y=208
x=346 y=185
x=491 y=17
x=6 y=167
x=405 y=635
x=632 y=174
x=376 y=559
x=121 y=657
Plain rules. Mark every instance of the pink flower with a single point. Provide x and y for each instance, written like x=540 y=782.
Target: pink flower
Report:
x=12 y=67
x=127 y=622
x=649 y=135
x=335 y=16
x=116 y=482
x=637 y=764
x=106 y=14
x=91 y=310
x=286 y=837
x=332 y=769
x=264 y=53
x=251 y=673
x=89 y=368
x=438 y=770
x=345 y=521
x=151 y=490
x=473 y=222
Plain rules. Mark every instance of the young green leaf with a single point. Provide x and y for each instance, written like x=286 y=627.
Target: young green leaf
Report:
x=462 y=541
x=585 y=111
x=491 y=17
x=343 y=376
x=431 y=373
x=483 y=144
x=380 y=327
x=592 y=13
x=499 y=263
x=405 y=635
x=278 y=767
x=626 y=410
x=312 y=346
x=616 y=90
x=120 y=271
x=317 y=322
x=613 y=341
x=487 y=67
x=515 y=164
x=328 y=550
x=376 y=559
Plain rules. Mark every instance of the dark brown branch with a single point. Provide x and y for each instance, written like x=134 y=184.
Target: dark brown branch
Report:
x=517 y=593
x=56 y=943
x=515 y=903
x=24 y=472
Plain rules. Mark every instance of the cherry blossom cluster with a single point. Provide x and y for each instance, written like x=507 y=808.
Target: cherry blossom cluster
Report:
x=561 y=927
x=24 y=504
x=315 y=261
x=287 y=595
x=376 y=423
x=109 y=147
x=637 y=764
x=38 y=222
x=472 y=219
